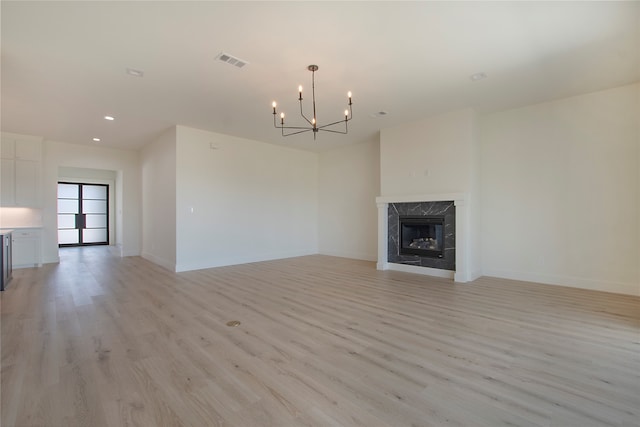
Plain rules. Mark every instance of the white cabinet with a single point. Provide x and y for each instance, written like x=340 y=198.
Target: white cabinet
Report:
x=28 y=150
x=20 y=172
x=27 y=247
x=27 y=188
x=8 y=148
x=7 y=182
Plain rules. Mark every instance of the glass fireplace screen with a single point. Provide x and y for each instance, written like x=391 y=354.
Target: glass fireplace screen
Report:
x=422 y=235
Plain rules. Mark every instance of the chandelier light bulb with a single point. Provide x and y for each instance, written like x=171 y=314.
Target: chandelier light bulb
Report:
x=300 y=88
x=346 y=113
x=349 y=94
x=274 y=104
x=282 y=115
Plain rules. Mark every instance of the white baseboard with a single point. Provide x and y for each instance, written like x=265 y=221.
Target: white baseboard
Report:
x=426 y=271
x=223 y=262
x=574 y=282
x=160 y=261
x=351 y=255
x=475 y=274
x=18 y=267
x=51 y=260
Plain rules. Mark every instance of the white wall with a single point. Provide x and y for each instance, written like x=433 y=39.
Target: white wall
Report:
x=349 y=181
x=124 y=162
x=560 y=191
x=429 y=156
x=158 y=170
x=79 y=174
x=242 y=201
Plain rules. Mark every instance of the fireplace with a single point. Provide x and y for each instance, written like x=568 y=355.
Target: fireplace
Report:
x=422 y=236
x=453 y=207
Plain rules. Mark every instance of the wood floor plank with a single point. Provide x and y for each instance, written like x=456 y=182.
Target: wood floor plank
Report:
x=99 y=340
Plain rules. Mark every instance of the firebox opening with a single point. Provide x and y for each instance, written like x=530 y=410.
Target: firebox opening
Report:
x=422 y=235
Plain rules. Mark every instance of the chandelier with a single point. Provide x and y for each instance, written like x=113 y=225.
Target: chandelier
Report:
x=313 y=121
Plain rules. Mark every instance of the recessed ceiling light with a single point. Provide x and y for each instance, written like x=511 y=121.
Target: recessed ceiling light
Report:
x=96 y=139
x=134 y=72
x=108 y=118
x=477 y=76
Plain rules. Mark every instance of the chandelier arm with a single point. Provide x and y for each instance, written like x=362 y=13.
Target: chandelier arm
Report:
x=339 y=121
x=334 y=131
x=294 y=127
x=332 y=124
x=311 y=128
x=294 y=133
x=287 y=127
x=303 y=116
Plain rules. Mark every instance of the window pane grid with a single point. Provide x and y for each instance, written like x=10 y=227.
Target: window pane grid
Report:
x=66 y=221
x=68 y=237
x=83 y=215
x=68 y=191
x=96 y=221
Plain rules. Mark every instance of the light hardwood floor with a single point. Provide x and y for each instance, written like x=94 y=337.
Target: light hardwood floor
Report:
x=104 y=341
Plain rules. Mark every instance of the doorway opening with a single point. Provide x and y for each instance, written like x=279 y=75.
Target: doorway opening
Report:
x=83 y=214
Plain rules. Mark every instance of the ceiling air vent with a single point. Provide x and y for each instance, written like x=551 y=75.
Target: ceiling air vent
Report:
x=232 y=60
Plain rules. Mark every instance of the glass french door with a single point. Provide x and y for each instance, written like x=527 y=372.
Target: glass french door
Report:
x=83 y=214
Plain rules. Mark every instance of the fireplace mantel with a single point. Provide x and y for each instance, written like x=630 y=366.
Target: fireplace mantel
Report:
x=462 y=273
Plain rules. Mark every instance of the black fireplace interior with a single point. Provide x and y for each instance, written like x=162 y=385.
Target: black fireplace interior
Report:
x=422 y=235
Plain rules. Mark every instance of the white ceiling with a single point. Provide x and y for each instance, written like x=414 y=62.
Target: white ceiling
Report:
x=63 y=63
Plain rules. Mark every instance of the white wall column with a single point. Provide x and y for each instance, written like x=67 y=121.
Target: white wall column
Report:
x=383 y=239
x=462 y=239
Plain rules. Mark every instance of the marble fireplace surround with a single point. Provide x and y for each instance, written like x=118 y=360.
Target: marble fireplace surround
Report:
x=461 y=274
